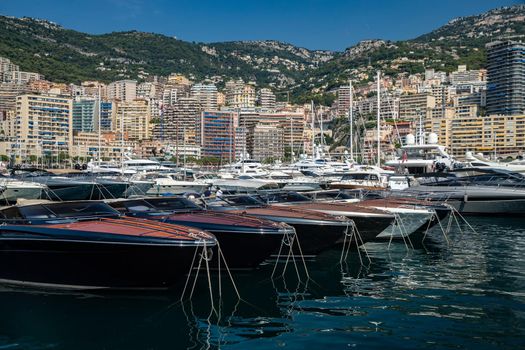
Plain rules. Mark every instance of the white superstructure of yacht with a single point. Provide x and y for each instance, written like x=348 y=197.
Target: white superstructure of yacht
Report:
x=478 y=161
x=169 y=183
x=421 y=158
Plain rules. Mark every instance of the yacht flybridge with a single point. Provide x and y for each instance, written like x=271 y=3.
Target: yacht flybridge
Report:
x=422 y=158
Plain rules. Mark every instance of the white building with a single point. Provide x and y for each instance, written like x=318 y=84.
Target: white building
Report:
x=123 y=90
x=43 y=125
x=20 y=77
x=266 y=99
x=206 y=95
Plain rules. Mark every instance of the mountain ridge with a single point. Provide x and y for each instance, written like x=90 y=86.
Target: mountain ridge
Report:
x=66 y=55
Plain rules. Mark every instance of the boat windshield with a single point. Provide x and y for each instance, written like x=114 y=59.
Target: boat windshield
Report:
x=331 y=195
x=172 y=203
x=242 y=200
x=281 y=177
x=67 y=210
x=207 y=177
x=284 y=197
x=135 y=206
x=360 y=176
x=309 y=173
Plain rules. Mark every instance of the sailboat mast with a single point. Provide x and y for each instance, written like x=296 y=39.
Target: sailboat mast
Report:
x=421 y=135
x=243 y=143
x=291 y=139
x=321 y=141
x=313 y=131
x=184 y=148
x=351 y=121
x=122 y=138
x=378 y=119
x=99 y=124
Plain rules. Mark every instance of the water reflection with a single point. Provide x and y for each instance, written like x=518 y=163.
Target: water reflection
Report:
x=467 y=293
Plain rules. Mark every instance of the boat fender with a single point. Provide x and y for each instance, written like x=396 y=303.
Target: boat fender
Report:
x=465 y=197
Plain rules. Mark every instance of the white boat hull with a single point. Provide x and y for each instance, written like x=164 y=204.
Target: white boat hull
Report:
x=176 y=189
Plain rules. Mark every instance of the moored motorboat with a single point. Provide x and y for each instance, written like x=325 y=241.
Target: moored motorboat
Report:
x=245 y=241
x=87 y=245
x=368 y=179
x=74 y=186
x=370 y=222
x=315 y=231
x=14 y=189
x=411 y=215
x=169 y=183
x=473 y=191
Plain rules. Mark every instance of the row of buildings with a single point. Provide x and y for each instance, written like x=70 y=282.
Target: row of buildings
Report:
x=167 y=115
x=465 y=108
x=470 y=110
x=47 y=125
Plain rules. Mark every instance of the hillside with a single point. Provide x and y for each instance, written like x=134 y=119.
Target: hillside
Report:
x=69 y=56
x=460 y=41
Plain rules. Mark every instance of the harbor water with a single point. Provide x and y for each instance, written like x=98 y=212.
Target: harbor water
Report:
x=468 y=293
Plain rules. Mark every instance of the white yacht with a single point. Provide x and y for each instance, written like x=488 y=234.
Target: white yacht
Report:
x=12 y=190
x=138 y=165
x=243 y=165
x=320 y=165
x=169 y=183
x=286 y=181
x=103 y=167
x=421 y=158
x=478 y=161
x=129 y=166
x=363 y=178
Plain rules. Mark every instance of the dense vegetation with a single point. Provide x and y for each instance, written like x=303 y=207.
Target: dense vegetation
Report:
x=69 y=56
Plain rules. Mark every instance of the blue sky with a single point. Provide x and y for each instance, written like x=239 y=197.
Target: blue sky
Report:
x=315 y=24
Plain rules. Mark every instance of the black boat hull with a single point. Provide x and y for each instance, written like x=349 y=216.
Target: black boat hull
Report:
x=242 y=248
x=93 y=265
x=314 y=236
x=315 y=239
x=245 y=250
x=92 y=191
x=108 y=190
x=68 y=192
x=370 y=227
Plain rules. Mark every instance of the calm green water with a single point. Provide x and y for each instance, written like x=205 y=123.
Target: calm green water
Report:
x=465 y=295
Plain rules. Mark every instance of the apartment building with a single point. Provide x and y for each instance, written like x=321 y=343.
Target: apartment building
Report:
x=179 y=123
x=43 y=125
x=20 y=77
x=219 y=133
x=122 y=90
x=265 y=142
x=414 y=106
x=133 y=119
x=266 y=99
x=206 y=95
x=506 y=78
